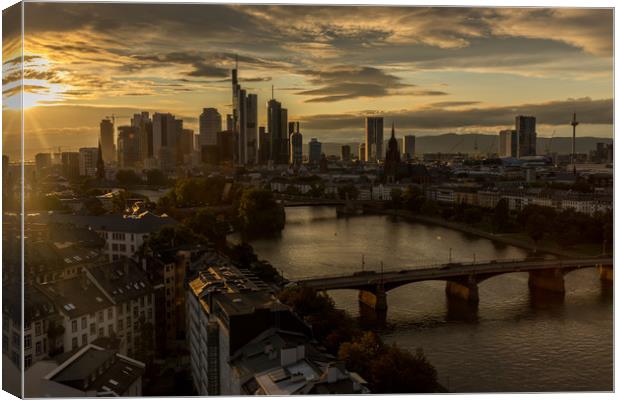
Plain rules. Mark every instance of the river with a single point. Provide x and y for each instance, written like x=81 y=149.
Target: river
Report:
x=512 y=342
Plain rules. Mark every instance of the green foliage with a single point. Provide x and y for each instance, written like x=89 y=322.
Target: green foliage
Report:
x=156 y=177
x=196 y=192
x=398 y=371
x=259 y=213
x=128 y=177
x=205 y=223
x=171 y=237
x=397 y=198
x=413 y=198
x=501 y=215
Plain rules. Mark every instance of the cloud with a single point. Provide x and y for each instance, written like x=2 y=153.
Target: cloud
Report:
x=550 y=113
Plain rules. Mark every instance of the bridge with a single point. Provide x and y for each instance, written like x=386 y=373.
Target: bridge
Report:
x=462 y=279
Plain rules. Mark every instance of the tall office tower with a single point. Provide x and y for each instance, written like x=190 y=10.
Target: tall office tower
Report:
x=345 y=153
x=508 y=143
x=166 y=131
x=277 y=125
x=296 y=140
x=210 y=124
x=128 y=146
x=144 y=129
x=314 y=151
x=43 y=161
x=244 y=121
x=408 y=147
x=185 y=145
x=106 y=138
x=229 y=122
x=251 y=129
x=374 y=138
x=264 y=146
x=70 y=164
x=526 y=133
x=225 y=147
x=88 y=161
x=361 y=153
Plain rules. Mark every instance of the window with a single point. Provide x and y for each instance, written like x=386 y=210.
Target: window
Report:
x=84 y=339
x=28 y=361
x=84 y=322
x=114 y=247
x=74 y=326
x=92 y=328
x=133 y=248
x=148 y=300
x=74 y=343
x=120 y=324
x=28 y=341
x=141 y=301
x=100 y=316
x=122 y=247
x=101 y=332
x=37 y=328
x=110 y=313
x=37 y=348
x=135 y=312
x=110 y=329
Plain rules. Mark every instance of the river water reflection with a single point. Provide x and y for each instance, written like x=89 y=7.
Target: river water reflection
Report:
x=514 y=341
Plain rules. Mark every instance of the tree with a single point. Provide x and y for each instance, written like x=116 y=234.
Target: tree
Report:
x=429 y=207
x=413 y=198
x=119 y=201
x=127 y=177
x=535 y=228
x=205 y=223
x=397 y=198
x=501 y=215
x=156 y=177
x=348 y=191
x=259 y=213
x=398 y=371
x=359 y=354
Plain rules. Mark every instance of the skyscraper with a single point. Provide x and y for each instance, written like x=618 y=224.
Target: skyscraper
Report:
x=374 y=138
x=166 y=131
x=264 y=145
x=144 y=130
x=508 y=143
x=277 y=125
x=244 y=121
x=88 y=161
x=106 y=138
x=314 y=151
x=296 y=140
x=408 y=147
x=70 y=164
x=185 y=145
x=345 y=153
x=526 y=133
x=128 y=147
x=210 y=124
x=361 y=154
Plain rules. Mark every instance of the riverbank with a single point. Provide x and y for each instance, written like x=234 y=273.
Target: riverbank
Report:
x=505 y=238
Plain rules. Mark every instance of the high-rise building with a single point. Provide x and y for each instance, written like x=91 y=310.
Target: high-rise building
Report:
x=210 y=124
x=277 y=125
x=314 y=151
x=526 y=133
x=244 y=121
x=128 y=146
x=345 y=153
x=70 y=164
x=264 y=146
x=408 y=147
x=185 y=145
x=229 y=122
x=374 y=138
x=144 y=130
x=166 y=131
x=88 y=161
x=508 y=143
x=296 y=140
x=106 y=138
x=43 y=161
x=361 y=153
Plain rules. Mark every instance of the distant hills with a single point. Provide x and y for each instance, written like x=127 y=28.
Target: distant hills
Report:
x=466 y=143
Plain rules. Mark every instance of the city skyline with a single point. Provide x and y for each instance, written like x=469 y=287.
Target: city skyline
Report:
x=430 y=70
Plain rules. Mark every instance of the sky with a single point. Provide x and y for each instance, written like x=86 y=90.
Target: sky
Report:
x=428 y=70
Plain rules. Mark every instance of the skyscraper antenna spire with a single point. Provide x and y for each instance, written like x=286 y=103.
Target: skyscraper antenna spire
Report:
x=392 y=128
x=574 y=124
x=236 y=61
x=272 y=96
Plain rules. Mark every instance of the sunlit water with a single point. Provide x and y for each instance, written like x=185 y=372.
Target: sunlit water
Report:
x=513 y=342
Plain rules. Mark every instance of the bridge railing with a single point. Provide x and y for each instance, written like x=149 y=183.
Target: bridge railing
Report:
x=424 y=264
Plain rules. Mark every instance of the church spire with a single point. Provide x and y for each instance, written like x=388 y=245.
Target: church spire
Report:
x=393 y=129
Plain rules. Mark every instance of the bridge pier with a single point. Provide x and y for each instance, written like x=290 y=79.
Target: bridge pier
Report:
x=465 y=289
x=606 y=272
x=377 y=300
x=551 y=279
